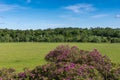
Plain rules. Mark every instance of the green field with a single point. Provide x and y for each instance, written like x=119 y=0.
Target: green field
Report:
x=21 y=55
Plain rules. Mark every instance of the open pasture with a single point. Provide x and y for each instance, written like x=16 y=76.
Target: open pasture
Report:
x=21 y=55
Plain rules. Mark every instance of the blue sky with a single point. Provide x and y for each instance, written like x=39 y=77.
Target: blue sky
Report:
x=43 y=14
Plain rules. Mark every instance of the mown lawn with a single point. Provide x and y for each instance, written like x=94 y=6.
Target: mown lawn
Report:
x=21 y=55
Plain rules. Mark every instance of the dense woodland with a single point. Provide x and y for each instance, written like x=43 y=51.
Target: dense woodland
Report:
x=96 y=35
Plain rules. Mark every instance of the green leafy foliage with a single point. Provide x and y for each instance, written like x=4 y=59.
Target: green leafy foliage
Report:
x=95 y=35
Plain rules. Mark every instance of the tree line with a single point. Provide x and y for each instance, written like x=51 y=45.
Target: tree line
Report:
x=70 y=34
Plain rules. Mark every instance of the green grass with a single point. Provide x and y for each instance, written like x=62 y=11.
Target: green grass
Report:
x=21 y=55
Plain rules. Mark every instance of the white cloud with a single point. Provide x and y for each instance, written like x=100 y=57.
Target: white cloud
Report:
x=6 y=7
x=99 y=16
x=117 y=16
x=80 y=8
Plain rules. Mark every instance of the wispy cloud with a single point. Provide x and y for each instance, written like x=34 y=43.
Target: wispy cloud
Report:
x=2 y=23
x=117 y=16
x=54 y=25
x=6 y=7
x=68 y=17
x=100 y=16
x=28 y=1
x=80 y=8
x=1 y=17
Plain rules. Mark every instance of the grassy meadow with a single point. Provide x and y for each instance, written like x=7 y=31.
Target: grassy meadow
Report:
x=21 y=55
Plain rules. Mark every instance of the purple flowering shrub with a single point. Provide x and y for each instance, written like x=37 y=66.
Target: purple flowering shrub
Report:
x=23 y=75
x=64 y=53
x=64 y=71
x=102 y=63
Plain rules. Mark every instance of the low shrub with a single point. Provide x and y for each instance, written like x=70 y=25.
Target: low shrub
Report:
x=73 y=54
x=114 y=74
x=65 y=71
x=63 y=53
x=7 y=74
x=101 y=63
